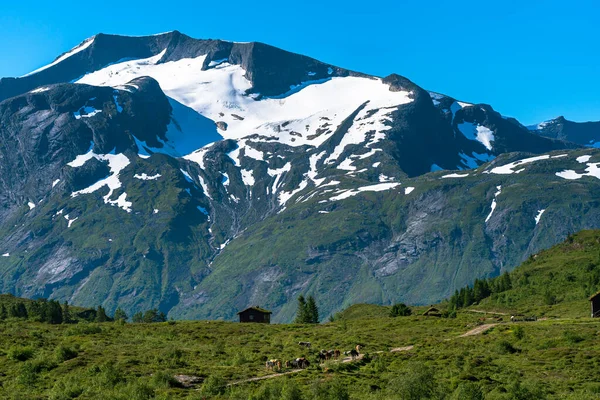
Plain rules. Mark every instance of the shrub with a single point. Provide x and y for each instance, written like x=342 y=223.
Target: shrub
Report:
x=291 y=391
x=417 y=382
x=572 y=337
x=505 y=347
x=213 y=385
x=163 y=380
x=83 y=329
x=63 y=353
x=66 y=389
x=28 y=373
x=18 y=353
x=400 y=310
x=468 y=391
x=138 y=391
x=518 y=332
x=519 y=392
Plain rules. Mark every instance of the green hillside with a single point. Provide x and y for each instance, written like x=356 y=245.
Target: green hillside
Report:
x=555 y=282
x=462 y=355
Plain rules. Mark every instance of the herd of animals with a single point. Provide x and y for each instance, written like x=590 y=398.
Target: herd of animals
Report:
x=302 y=362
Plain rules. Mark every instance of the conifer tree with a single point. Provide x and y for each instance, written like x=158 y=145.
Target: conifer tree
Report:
x=66 y=313
x=3 y=313
x=301 y=314
x=120 y=314
x=101 y=315
x=312 y=311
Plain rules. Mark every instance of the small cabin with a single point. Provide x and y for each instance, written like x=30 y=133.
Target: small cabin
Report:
x=255 y=314
x=595 y=305
x=432 y=312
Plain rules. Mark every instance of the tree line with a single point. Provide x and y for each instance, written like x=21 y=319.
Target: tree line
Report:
x=53 y=312
x=481 y=289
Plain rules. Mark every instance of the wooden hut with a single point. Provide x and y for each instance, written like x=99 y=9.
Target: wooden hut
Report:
x=595 y=305
x=255 y=314
x=432 y=312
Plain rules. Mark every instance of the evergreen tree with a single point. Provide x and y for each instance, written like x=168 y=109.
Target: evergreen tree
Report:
x=21 y=310
x=301 y=314
x=312 y=311
x=66 y=313
x=400 y=310
x=467 y=297
x=3 y=313
x=138 y=317
x=53 y=313
x=101 y=315
x=154 y=316
x=120 y=314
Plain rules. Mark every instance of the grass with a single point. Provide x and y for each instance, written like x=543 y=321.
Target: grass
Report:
x=113 y=361
x=553 y=357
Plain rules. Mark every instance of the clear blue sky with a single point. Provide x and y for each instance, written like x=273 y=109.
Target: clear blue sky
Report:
x=531 y=59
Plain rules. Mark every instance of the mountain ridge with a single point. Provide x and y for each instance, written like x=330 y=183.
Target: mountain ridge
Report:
x=248 y=174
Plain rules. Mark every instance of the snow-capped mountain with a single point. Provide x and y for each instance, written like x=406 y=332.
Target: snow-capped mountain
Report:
x=199 y=176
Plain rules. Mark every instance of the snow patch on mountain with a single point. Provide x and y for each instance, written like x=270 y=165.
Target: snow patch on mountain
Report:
x=593 y=169
x=116 y=163
x=247 y=177
x=344 y=194
x=477 y=132
x=308 y=116
x=510 y=167
x=146 y=177
x=583 y=159
x=493 y=206
x=455 y=176
x=539 y=216
x=277 y=173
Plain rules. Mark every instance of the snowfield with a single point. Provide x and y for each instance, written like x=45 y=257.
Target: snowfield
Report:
x=219 y=94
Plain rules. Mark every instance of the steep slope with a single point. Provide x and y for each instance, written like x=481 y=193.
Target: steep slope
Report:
x=554 y=282
x=415 y=243
x=200 y=176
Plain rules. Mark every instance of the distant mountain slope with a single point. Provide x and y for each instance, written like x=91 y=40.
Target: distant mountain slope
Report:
x=582 y=133
x=202 y=176
x=553 y=282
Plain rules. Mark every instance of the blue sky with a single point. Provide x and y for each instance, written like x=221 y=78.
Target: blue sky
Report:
x=531 y=59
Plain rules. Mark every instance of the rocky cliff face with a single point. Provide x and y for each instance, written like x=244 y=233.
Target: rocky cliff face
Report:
x=200 y=176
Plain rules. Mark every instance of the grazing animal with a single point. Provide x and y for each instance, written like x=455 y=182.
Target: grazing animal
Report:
x=302 y=362
x=336 y=354
x=329 y=355
x=354 y=353
x=288 y=364
x=321 y=356
x=304 y=344
x=272 y=364
x=358 y=347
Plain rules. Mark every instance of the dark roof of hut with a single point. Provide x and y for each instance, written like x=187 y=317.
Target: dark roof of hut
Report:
x=256 y=308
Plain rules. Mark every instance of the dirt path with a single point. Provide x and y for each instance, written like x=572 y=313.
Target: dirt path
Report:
x=487 y=312
x=405 y=348
x=260 y=378
x=476 y=331
x=479 y=330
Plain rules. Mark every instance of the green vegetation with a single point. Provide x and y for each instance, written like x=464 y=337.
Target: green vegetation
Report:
x=400 y=310
x=308 y=312
x=554 y=282
x=431 y=359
